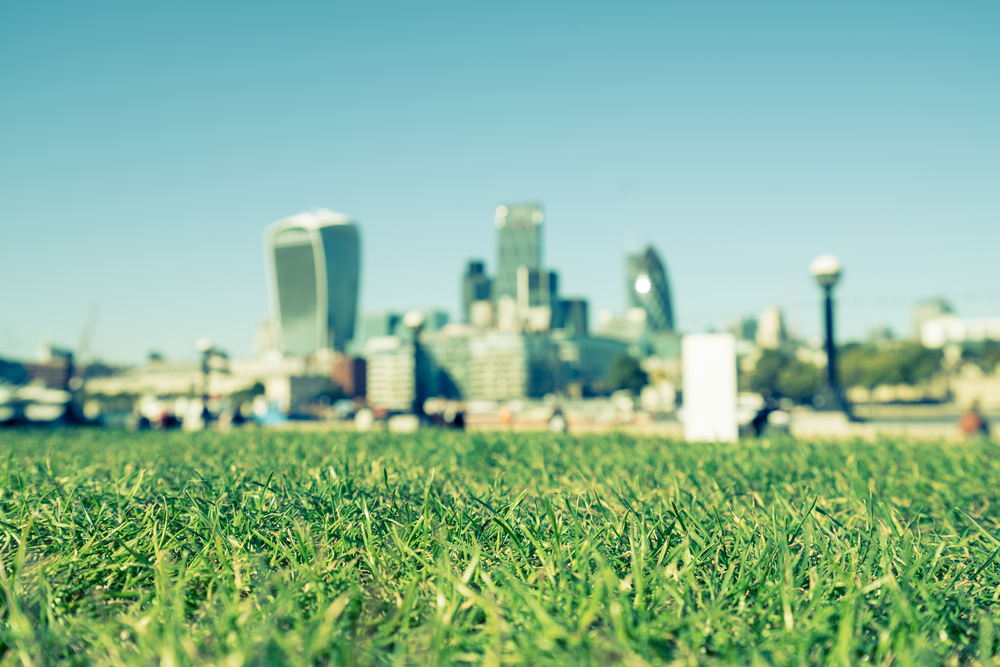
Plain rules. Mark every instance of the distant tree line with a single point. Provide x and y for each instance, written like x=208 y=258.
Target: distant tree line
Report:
x=985 y=354
x=903 y=362
x=782 y=374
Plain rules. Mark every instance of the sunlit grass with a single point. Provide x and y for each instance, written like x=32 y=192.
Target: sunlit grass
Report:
x=443 y=548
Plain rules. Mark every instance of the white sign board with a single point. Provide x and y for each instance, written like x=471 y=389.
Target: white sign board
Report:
x=709 y=367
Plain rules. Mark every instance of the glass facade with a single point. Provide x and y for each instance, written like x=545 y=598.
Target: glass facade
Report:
x=295 y=274
x=649 y=289
x=315 y=265
x=342 y=251
x=519 y=244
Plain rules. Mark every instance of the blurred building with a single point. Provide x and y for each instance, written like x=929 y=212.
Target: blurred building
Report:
x=374 y=325
x=314 y=264
x=157 y=377
x=537 y=293
x=460 y=361
x=391 y=382
x=585 y=363
x=53 y=367
x=947 y=329
x=570 y=316
x=745 y=332
x=744 y=329
x=508 y=317
x=649 y=289
x=508 y=366
x=350 y=374
x=288 y=381
x=268 y=338
x=930 y=309
x=628 y=329
x=519 y=236
x=476 y=286
x=447 y=355
x=481 y=314
x=434 y=319
x=771 y=332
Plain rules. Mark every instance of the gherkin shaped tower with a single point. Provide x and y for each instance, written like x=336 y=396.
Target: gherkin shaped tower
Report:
x=649 y=289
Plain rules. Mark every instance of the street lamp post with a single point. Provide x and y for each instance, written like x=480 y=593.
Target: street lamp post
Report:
x=826 y=269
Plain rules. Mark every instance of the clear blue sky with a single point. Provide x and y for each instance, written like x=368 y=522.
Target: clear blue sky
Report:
x=145 y=146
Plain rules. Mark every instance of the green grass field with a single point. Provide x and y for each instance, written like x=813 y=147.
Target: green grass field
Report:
x=444 y=548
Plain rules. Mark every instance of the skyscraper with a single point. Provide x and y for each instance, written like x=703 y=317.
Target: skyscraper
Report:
x=476 y=286
x=520 y=244
x=649 y=289
x=314 y=263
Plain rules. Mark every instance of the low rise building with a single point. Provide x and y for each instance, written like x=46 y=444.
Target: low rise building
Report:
x=390 y=373
x=460 y=361
x=941 y=331
x=288 y=381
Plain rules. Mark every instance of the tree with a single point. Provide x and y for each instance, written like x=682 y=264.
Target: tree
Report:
x=799 y=380
x=625 y=373
x=763 y=379
x=904 y=362
x=779 y=373
x=985 y=354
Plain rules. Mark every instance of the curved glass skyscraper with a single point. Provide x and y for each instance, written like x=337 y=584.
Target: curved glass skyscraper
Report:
x=314 y=264
x=649 y=289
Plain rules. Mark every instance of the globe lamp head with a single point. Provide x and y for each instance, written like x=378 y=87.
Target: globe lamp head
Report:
x=413 y=319
x=826 y=269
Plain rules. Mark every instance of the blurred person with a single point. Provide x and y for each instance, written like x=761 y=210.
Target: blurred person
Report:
x=759 y=422
x=973 y=423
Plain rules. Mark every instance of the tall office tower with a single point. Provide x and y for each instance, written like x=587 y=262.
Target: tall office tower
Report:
x=649 y=289
x=476 y=286
x=314 y=263
x=520 y=244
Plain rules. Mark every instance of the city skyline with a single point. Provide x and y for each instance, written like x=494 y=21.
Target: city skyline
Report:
x=742 y=142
